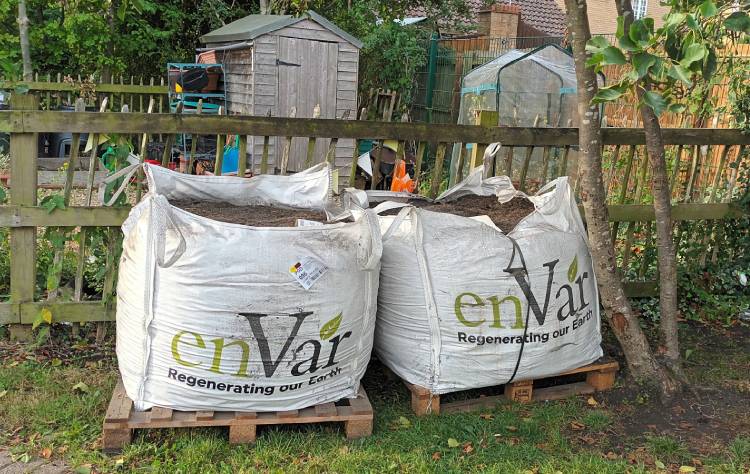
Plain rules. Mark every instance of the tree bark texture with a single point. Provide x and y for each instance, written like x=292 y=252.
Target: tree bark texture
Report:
x=660 y=188
x=618 y=311
x=23 y=34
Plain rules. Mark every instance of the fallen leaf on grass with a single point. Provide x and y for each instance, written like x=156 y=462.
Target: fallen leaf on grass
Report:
x=611 y=456
x=468 y=448
x=436 y=456
x=592 y=402
x=81 y=387
x=697 y=462
x=487 y=416
x=511 y=428
x=587 y=439
x=513 y=441
x=659 y=464
x=46 y=453
x=687 y=469
x=453 y=443
x=56 y=362
x=3 y=393
x=577 y=425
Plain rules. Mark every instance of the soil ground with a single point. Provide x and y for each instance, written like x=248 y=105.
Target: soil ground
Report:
x=506 y=216
x=257 y=216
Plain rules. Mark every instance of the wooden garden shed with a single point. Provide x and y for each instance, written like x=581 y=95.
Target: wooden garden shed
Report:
x=278 y=63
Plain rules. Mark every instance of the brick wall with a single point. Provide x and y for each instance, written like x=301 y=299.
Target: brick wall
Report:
x=603 y=14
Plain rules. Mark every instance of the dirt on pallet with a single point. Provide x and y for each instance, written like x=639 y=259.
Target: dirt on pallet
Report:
x=505 y=215
x=256 y=216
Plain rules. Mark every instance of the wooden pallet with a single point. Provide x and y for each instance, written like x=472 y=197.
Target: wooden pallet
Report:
x=121 y=419
x=599 y=376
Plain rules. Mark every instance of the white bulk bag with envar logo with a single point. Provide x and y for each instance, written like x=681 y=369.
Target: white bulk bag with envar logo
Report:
x=221 y=316
x=462 y=305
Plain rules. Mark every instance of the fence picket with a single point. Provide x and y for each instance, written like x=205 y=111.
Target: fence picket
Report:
x=437 y=172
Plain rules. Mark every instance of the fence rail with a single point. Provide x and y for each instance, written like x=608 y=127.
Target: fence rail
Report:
x=55 y=92
x=531 y=156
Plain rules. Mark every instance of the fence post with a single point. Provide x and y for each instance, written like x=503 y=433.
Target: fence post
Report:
x=485 y=118
x=431 y=71
x=23 y=163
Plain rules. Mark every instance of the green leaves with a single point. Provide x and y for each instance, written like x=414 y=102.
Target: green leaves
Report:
x=573 y=269
x=642 y=62
x=3 y=196
x=738 y=21
x=44 y=316
x=52 y=202
x=656 y=101
x=708 y=8
x=330 y=328
x=640 y=33
x=674 y=19
x=608 y=94
x=694 y=52
x=680 y=73
x=603 y=53
x=613 y=55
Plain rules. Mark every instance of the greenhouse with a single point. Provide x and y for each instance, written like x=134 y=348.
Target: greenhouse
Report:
x=526 y=88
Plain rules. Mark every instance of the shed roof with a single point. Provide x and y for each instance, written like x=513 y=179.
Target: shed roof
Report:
x=253 y=26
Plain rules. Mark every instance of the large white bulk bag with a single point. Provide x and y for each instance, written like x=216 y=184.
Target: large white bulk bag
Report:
x=462 y=305
x=221 y=316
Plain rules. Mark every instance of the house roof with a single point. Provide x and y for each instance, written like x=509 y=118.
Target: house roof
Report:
x=543 y=15
x=253 y=26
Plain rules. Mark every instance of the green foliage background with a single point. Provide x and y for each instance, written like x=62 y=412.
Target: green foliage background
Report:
x=138 y=37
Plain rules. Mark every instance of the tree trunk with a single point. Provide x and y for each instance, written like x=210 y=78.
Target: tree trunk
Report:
x=23 y=34
x=111 y=12
x=667 y=260
x=264 y=7
x=619 y=314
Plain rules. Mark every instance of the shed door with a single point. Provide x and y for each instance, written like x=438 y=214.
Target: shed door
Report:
x=307 y=76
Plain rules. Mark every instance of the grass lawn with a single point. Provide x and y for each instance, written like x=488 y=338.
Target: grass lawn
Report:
x=53 y=398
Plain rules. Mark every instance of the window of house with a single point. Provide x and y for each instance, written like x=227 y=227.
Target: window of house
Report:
x=639 y=8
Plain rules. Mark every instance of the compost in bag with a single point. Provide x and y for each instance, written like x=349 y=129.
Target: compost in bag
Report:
x=505 y=215
x=256 y=216
x=508 y=293
x=223 y=316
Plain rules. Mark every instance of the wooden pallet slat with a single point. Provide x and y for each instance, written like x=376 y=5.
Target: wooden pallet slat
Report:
x=120 y=420
x=119 y=406
x=161 y=414
x=599 y=376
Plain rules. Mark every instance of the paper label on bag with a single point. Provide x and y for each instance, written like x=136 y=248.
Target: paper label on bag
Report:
x=307 y=223
x=307 y=271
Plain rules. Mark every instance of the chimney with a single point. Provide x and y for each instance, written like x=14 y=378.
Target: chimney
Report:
x=499 y=20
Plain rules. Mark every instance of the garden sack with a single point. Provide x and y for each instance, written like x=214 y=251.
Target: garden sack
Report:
x=220 y=316
x=308 y=189
x=462 y=305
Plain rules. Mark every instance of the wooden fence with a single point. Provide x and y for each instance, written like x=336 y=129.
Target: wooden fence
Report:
x=625 y=174
x=57 y=91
